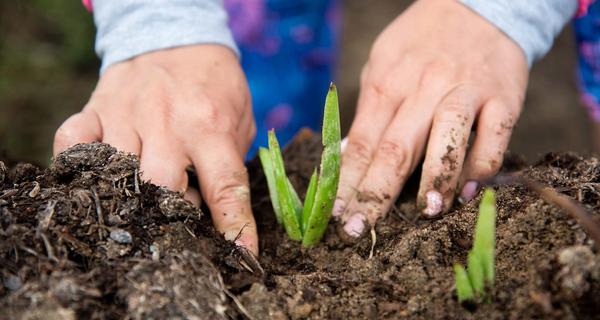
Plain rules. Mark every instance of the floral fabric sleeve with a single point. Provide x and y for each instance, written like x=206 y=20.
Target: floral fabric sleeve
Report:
x=587 y=35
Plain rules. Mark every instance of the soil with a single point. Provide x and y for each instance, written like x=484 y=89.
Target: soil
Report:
x=86 y=238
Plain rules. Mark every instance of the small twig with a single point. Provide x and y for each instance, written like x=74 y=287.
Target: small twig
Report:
x=249 y=261
x=35 y=190
x=189 y=231
x=549 y=194
x=49 y=249
x=574 y=209
x=101 y=231
x=47 y=215
x=239 y=305
x=373 y=241
x=136 y=182
x=28 y=250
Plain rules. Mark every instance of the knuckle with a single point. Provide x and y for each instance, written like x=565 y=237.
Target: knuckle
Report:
x=208 y=118
x=359 y=152
x=252 y=133
x=63 y=135
x=436 y=74
x=396 y=155
x=231 y=190
x=487 y=166
x=384 y=88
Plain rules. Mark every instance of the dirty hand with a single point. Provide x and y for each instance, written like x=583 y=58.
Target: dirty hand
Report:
x=434 y=73
x=178 y=107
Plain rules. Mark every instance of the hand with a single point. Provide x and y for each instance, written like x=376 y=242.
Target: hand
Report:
x=173 y=108
x=432 y=74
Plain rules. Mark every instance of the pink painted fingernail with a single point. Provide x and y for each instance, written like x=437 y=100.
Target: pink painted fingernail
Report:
x=355 y=225
x=338 y=207
x=435 y=203
x=469 y=191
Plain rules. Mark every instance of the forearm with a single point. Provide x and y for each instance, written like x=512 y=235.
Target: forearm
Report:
x=532 y=24
x=128 y=28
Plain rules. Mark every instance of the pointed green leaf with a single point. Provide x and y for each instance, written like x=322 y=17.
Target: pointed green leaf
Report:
x=464 y=291
x=329 y=173
x=286 y=201
x=267 y=165
x=485 y=235
x=309 y=200
x=475 y=272
x=331 y=133
x=296 y=202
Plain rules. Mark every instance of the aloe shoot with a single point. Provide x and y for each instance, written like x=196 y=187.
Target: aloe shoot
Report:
x=475 y=283
x=306 y=221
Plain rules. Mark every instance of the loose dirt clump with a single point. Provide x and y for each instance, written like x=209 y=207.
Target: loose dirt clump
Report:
x=86 y=238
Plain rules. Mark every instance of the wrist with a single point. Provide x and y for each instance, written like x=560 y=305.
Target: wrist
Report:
x=533 y=25
x=128 y=29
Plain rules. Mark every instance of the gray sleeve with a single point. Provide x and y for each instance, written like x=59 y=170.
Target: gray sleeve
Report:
x=532 y=24
x=126 y=28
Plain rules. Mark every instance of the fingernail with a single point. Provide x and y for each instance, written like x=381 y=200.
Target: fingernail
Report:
x=338 y=207
x=469 y=191
x=343 y=144
x=355 y=225
x=435 y=203
x=232 y=235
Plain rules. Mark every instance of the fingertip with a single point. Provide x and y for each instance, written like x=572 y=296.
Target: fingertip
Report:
x=244 y=235
x=355 y=225
x=193 y=195
x=434 y=204
x=469 y=191
x=82 y=127
x=163 y=165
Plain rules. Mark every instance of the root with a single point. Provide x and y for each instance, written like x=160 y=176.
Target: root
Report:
x=573 y=208
x=373 y=242
x=239 y=305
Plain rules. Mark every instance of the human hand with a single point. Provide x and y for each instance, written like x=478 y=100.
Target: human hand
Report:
x=173 y=108
x=434 y=72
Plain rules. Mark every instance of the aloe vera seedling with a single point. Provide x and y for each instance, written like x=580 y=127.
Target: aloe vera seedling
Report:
x=475 y=283
x=306 y=221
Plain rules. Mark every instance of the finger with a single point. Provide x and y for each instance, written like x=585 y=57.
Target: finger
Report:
x=122 y=137
x=494 y=128
x=193 y=195
x=378 y=101
x=81 y=127
x=446 y=149
x=374 y=112
x=162 y=164
x=245 y=133
x=224 y=186
x=397 y=156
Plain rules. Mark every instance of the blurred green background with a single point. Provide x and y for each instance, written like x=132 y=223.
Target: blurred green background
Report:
x=48 y=70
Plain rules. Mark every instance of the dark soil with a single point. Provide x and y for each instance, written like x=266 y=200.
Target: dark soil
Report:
x=87 y=239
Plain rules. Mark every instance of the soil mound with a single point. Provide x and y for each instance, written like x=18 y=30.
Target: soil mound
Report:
x=86 y=238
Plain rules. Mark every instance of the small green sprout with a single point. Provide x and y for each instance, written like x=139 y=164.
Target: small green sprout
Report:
x=475 y=282
x=306 y=222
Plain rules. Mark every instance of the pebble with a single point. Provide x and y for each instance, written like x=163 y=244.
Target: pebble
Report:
x=121 y=236
x=13 y=283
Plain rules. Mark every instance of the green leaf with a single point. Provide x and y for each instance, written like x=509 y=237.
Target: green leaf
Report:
x=286 y=201
x=296 y=202
x=464 y=291
x=309 y=200
x=475 y=272
x=485 y=234
x=329 y=174
x=267 y=165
